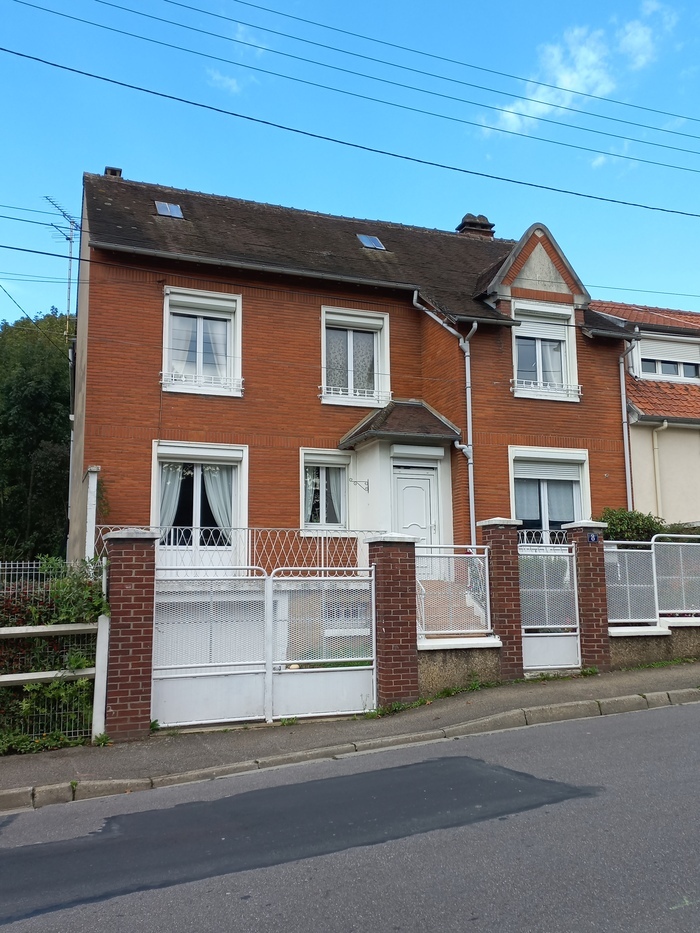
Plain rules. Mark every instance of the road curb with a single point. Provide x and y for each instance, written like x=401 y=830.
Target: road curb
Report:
x=27 y=798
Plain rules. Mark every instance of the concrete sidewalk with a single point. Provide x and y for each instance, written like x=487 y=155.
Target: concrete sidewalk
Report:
x=172 y=758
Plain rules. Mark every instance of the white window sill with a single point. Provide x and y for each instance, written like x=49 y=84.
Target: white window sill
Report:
x=318 y=531
x=378 y=400
x=626 y=631
x=440 y=644
x=683 y=621
x=171 y=382
x=566 y=394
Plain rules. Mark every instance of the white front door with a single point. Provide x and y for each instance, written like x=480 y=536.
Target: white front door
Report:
x=415 y=503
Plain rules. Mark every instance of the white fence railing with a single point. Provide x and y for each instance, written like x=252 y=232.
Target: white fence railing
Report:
x=548 y=596
x=453 y=591
x=653 y=582
x=218 y=550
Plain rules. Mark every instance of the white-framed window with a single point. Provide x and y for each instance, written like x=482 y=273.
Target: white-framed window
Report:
x=544 y=353
x=355 y=358
x=670 y=359
x=202 y=342
x=549 y=488
x=324 y=489
x=199 y=493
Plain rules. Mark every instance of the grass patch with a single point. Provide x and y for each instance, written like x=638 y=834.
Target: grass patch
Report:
x=653 y=664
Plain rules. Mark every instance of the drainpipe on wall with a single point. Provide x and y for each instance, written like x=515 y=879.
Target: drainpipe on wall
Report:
x=468 y=448
x=657 y=469
x=625 y=427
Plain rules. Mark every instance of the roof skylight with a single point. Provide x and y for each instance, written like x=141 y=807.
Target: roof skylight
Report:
x=370 y=242
x=165 y=209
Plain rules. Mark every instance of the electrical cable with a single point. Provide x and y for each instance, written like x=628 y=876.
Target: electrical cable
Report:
x=350 y=145
x=450 y=61
x=30 y=318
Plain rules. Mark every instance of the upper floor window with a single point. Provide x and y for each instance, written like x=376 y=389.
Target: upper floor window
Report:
x=544 y=353
x=666 y=358
x=202 y=338
x=355 y=358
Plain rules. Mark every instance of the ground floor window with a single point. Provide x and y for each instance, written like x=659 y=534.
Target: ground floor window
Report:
x=324 y=495
x=548 y=492
x=196 y=503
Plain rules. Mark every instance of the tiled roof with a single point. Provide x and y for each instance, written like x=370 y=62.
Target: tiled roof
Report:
x=444 y=266
x=656 y=399
x=652 y=319
x=405 y=421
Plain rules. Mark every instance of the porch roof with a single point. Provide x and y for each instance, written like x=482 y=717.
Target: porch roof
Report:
x=406 y=421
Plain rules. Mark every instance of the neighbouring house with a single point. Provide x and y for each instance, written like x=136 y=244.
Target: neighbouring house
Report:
x=248 y=365
x=663 y=398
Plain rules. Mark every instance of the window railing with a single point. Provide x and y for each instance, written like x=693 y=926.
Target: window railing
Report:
x=546 y=388
x=541 y=536
x=201 y=381
x=370 y=395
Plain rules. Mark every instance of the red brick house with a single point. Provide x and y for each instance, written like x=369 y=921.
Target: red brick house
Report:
x=247 y=365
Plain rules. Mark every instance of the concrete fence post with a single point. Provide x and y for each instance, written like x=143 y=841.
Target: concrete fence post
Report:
x=500 y=535
x=587 y=538
x=394 y=560
x=131 y=595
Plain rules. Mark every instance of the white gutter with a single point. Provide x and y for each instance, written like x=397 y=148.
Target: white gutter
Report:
x=468 y=448
x=625 y=427
x=657 y=467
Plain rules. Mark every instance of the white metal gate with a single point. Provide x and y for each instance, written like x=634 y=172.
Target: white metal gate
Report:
x=549 y=607
x=251 y=645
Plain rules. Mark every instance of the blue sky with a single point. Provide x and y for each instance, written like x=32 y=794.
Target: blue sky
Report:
x=441 y=88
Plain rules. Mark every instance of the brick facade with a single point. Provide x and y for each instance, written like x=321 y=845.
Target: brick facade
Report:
x=394 y=561
x=131 y=556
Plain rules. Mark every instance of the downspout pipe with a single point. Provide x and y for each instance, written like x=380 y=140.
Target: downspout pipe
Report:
x=657 y=468
x=468 y=448
x=625 y=426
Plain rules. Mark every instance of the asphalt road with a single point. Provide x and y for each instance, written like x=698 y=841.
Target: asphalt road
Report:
x=586 y=825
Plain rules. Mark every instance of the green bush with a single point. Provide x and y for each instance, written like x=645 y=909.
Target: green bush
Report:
x=625 y=525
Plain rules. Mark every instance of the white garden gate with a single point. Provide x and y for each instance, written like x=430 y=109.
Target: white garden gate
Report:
x=244 y=644
x=549 y=607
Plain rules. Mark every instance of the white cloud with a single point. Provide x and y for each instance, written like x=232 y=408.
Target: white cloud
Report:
x=226 y=83
x=635 y=40
x=577 y=64
x=669 y=17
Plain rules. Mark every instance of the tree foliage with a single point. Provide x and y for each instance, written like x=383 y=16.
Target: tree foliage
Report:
x=34 y=436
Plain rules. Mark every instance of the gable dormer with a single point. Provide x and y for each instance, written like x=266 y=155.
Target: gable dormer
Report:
x=537 y=270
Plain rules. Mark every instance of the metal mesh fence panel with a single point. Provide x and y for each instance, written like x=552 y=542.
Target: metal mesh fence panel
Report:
x=452 y=592
x=548 y=588
x=210 y=625
x=322 y=621
x=629 y=579
x=36 y=710
x=678 y=577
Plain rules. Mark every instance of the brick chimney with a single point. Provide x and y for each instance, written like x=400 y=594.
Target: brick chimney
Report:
x=477 y=226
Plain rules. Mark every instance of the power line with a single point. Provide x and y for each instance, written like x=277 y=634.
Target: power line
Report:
x=28 y=210
x=429 y=74
x=397 y=84
x=26 y=220
x=453 y=61
x=30 y=318
x=350 y=145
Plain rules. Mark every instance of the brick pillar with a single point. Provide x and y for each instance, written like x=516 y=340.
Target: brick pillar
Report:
x=131 y=594
x=592 y=594
x=500 y=535
x=394 y=560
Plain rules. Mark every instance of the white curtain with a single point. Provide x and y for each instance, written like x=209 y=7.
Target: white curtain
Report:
x=336 y=358
x=527 y=499
x=363 y=360
x=334 y=484
x=170 y=482
x=218 y=486
x=311 y=484
x=214 y=334
x=183 y=344
x=560 y=501
x=552 y=359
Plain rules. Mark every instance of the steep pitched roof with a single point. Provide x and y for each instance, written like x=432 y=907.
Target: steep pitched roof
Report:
x=443 y=266
x=405 y=421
